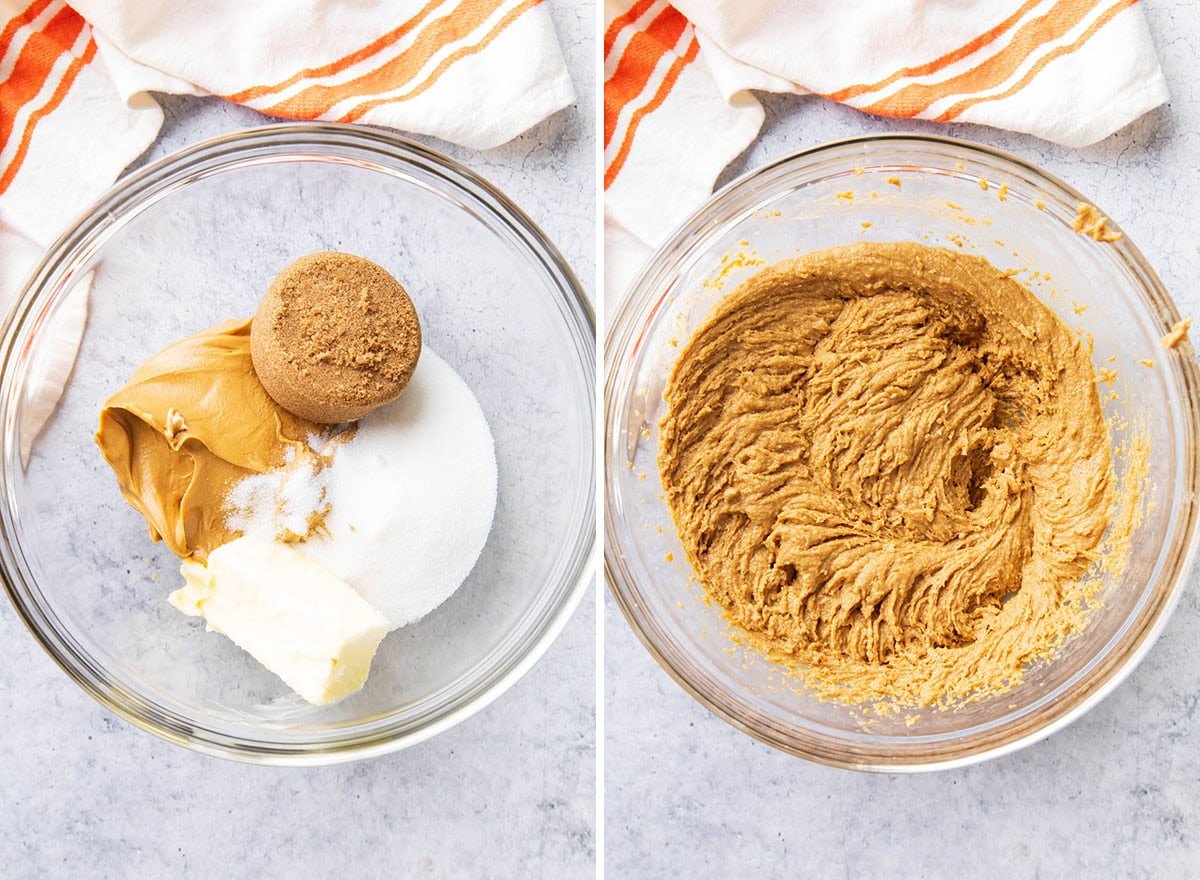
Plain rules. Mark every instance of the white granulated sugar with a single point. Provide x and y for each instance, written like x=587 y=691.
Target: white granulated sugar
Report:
x=412 y=496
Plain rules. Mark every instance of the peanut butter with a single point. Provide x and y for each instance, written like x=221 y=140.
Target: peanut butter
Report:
x=192 y=421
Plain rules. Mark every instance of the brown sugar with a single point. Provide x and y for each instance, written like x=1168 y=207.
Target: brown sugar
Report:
x=335 y=338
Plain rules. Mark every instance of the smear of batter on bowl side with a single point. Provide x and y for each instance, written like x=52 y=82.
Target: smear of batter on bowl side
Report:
x=889 y=467
x=1177 y=333
x=1090 y=222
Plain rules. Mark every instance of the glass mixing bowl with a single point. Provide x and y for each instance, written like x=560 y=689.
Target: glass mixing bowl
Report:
x=195 y=239
x=941 y=192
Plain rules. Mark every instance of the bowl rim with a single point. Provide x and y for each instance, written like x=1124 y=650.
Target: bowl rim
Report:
x=637 y=302
x=143 y=188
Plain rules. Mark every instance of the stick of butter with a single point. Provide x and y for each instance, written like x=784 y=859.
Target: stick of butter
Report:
x=291 y=614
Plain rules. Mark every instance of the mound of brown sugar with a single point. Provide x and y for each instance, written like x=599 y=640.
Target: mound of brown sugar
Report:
x=335 y=338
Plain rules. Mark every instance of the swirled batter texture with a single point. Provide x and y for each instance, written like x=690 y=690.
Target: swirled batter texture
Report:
x=889 y=466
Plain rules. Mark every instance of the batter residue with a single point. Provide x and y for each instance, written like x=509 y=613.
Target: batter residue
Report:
x=889 y=466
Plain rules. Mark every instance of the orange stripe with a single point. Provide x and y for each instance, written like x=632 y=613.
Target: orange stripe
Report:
x=610 y=174
x=937 y=64
x=317 y=100
x=637 y=65
x=629 y=16
x=342 y=63
x=915 y=99
x=17 y=22
x=1100 y=22
x=448 y=62
x=41 y=113
x=33 y=66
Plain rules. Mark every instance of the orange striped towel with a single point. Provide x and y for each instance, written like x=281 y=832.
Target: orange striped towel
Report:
x=678 y=105
x=475 y=72
x=75 y=83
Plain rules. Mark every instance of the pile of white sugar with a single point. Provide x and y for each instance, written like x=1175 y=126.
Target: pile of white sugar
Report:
x=411 y=497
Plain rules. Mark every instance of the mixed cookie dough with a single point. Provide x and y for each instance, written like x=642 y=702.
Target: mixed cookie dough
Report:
x=889 y=466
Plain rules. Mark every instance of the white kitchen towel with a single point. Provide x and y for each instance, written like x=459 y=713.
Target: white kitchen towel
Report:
x=678 y=101
x=75 y=83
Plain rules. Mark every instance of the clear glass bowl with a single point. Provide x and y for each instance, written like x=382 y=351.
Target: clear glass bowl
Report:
x=195 y=239
x=846 y=192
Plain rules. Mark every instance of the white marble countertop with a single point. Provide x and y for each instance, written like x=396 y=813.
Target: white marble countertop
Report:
x=1113 y=795
x=508 y=793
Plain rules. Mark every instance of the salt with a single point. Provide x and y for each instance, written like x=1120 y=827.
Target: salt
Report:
x=280 y=504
